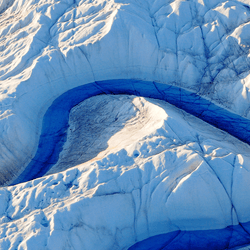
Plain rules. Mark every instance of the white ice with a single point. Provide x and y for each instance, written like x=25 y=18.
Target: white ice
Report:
x=158 y=170
x=156 y=160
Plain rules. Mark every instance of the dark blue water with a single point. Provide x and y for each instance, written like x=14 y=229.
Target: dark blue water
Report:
x=55 y=122
x=231 y=237
x=53 y=136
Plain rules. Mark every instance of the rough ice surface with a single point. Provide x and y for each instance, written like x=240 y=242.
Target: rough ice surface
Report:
x=159 y=170
x=128 y=192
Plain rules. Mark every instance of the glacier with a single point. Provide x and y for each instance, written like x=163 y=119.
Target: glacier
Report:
x=137 y=173
x=160 y=171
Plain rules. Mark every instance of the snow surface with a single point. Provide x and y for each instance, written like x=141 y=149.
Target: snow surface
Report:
x=159 y=170
x=181 y=175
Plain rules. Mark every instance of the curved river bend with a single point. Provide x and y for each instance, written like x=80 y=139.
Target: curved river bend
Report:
x=54 y=132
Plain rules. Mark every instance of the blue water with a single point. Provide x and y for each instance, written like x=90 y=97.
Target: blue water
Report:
x=55 y=122
x=231 y=237
x=54 y=131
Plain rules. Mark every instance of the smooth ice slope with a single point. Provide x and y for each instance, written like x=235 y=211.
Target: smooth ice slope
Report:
x=173 y=173
x=48 y=47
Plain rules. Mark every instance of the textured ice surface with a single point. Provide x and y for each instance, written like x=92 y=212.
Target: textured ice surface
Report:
x=159 y=170
x=49 y=47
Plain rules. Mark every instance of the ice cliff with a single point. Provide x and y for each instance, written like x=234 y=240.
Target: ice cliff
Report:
x=151 y=168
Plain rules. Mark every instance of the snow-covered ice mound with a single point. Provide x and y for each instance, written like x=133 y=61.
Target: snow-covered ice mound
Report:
x=157 y=169
x=105 y=124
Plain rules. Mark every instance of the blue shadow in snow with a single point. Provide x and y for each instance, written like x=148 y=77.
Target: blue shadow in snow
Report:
x=55 y=122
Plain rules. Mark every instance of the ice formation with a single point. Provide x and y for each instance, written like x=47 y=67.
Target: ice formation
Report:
x=159 y=170
x=129 y=190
